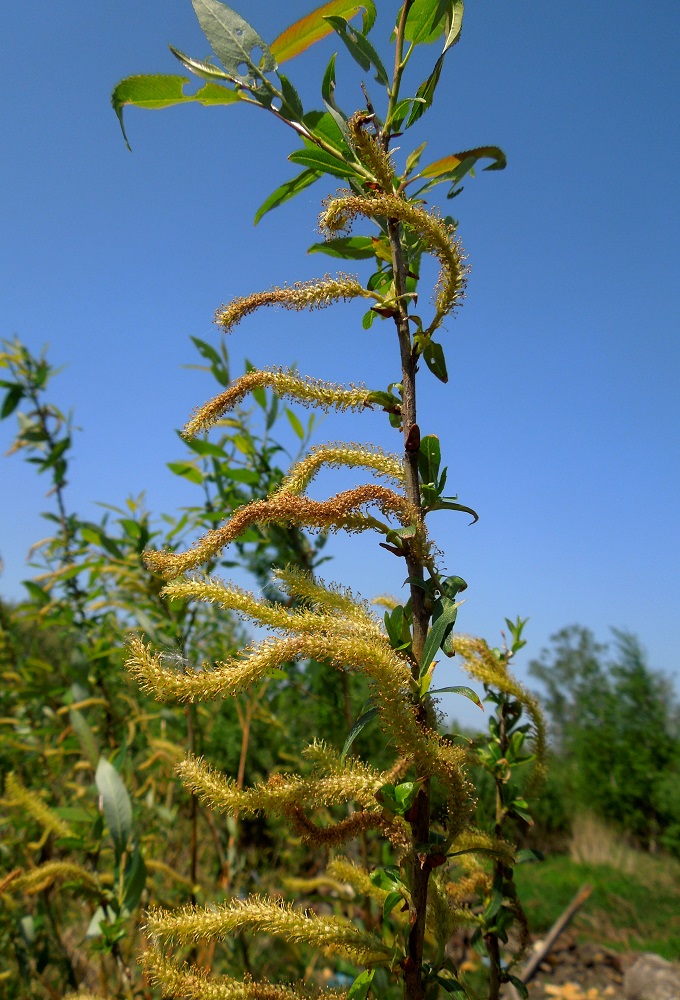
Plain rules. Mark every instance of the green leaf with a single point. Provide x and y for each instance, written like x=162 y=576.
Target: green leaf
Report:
x=328 y=126
x=207 y=351
x=446 y=504
x=134 y=881
x=115 y=803
x=321 y=161
x=313 y=27
x=437 y=632
x=204 y=448
x=291 y=108
x=163 y=91
x=461 y=689
x=361 y=986
x=520 y=986
x=240 y=475
x=452 y=986
x=405 y=794
x=13 y=397
x=232 y=40
x=454 y=24
x=346 y=247
x=529 y=854
x=86 y=738
x=294 y=422
x=449 y=163
x=435 y=360
x=386 y=877
x=429 y=458
x=187 y=471
x=385 y=399
x=427 y=21
x=391 y=900
x=360 y=724
x=359 y=48
x=286 y=191
x=37 y=594
x=203 y=69
x=426 y=93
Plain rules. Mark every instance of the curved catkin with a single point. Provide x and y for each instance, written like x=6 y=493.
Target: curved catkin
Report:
x=336 y=455
x=480 y=663
x=192 y=983
x=332 y=935
x=35 y=806
x=286 y=508
x=56 y=873
x=285 y=383
x=281 y=791
x=315 y=294
x=369 y=150
x=437 y=235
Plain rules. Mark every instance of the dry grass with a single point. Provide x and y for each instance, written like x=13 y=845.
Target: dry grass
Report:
x=595 y=843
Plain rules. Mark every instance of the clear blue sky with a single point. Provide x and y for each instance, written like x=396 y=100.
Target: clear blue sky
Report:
x=560 y=422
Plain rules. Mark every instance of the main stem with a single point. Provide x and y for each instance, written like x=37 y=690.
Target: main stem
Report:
x=419 y=815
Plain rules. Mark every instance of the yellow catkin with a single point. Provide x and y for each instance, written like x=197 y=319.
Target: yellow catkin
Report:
x=437 y=235
x=480 y=663
x=336 y=455
x=344 y=616
x=34 y=805
x=56 y=873
x=369 y=150
x=357 y=877
x=191 y=983
x=261 y=914
x=338 y=600
x=333 y=514
x=285 y=383
x=280 y=792
x=315 y=294
x=389 y=676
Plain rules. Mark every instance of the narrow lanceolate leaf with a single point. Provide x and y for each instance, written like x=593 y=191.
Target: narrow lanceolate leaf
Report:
x=450 y=163
x=86 y=738
x=115 y=803
x=361 y=986
x=320 y=160
x=313 y=27
x=426 y=93
x=346 y=247
x=203 y=69
x=454 y=24
x=359 y=48
x=164 y=92
x=233 y=40
x=360 y=724
x=466 y=692
x=437 y=634
x=429 y=458
x=427 y=20
x=286 y=191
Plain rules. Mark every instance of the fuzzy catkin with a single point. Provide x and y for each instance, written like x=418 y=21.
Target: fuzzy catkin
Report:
x=332 y=514
x=315 y=294
x=286 y=384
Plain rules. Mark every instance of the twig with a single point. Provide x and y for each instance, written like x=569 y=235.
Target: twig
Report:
x=562 y=922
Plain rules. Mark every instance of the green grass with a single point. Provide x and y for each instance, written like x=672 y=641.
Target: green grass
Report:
x=638 y=910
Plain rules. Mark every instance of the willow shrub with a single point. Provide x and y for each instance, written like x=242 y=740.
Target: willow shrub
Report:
x=424 y=864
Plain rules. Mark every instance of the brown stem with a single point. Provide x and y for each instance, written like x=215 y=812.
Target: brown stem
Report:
x=193 y=806
x=492 y=941
x=419 y=816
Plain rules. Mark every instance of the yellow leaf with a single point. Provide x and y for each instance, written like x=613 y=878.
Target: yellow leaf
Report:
x=310 y=29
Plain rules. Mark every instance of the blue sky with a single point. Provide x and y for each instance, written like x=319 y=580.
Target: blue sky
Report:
x=560 y=421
